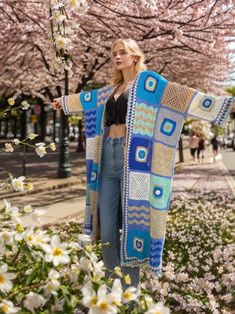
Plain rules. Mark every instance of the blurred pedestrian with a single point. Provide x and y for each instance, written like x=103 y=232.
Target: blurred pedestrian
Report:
x=193 y=145
x=201 y=148
x=215 y=145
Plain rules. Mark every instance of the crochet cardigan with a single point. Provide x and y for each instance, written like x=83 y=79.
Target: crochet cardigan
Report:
x=155 y=116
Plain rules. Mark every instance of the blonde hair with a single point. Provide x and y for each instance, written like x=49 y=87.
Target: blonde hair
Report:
x=133 y=49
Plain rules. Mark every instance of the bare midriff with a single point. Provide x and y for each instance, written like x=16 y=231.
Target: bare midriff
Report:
x=117 y=130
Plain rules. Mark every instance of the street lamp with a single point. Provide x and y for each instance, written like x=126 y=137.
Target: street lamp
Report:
x=64 y=169
x=80 y=147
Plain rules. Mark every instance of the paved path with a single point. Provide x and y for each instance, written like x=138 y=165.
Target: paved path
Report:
x=62 y=198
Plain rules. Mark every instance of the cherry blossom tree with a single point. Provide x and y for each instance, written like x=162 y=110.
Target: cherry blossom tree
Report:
x=185 y=41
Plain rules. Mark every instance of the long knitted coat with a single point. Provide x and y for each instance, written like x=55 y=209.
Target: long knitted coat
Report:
x=155 y=115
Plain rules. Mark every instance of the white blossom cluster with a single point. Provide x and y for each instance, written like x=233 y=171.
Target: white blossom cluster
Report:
x=61 y=30
x=198 y=274
x=40 y=271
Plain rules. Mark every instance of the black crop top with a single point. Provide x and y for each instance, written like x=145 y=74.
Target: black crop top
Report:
x=115 y=112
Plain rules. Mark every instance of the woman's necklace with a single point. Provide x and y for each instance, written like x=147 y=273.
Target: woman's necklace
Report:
x=124 y=87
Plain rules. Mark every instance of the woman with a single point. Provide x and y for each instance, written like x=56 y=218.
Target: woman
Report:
x=193 y=145
x=132 y=132
x=201 y=148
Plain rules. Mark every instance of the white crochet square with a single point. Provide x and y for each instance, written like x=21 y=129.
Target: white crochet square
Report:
x=139 y=186
x=205 y=107
x=90 y=148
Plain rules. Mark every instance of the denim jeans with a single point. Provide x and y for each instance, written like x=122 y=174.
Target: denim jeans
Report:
x=111 y=183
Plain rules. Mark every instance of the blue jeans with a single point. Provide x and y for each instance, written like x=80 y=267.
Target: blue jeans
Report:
x=111 y=183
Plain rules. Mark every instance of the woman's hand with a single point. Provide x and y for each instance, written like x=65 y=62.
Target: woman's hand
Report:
x=57 y=104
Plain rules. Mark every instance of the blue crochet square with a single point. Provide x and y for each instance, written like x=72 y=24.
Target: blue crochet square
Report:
x=138 y=243
x=156 y=251
x=88 y=99
x=140 y=154
x=150 y=88
x=94 y=177
x=160 y=190
x=207 y=103
x=90 y=123
x=168 y=127
x=99 y=116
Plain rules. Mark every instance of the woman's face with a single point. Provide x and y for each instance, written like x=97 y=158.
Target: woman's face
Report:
x=121 y=58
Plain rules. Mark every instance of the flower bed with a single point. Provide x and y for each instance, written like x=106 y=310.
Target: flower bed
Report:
x=199 y=254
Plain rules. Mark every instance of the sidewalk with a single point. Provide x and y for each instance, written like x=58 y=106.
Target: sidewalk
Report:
x=62 y=198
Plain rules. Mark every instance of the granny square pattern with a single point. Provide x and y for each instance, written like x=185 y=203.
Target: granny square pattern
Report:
x=206 y=107
x=144 y=120
x=140 y=154
x=140 y=184
x=169 y=127
x=160 y=188
x=163 y=159
x=177 y=97
x=155 y=115
x=158 y=223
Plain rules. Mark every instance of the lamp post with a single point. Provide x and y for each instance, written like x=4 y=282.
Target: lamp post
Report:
x=80 y=147
x=64 y=168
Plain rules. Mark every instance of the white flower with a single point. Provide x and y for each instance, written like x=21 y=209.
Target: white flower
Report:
x=11 y=101
x=98 y=271
x=9 y=148
x=58 y=17
x=115 y=295
x=130 y=294
x=74 y=273
x=28 y=209
x=118 y=271
x=89 y=295
x=53 y=274
x=7 y=237
x=32 y=136
x=12 y=211
x=84 y=239
x=41 y=237
x=80 y=5
x=25 y=105
x=40 y=149
x=52 y=146
x=18 y=183
x=104 y=304
x=157 y=308
x=56 y=251
x=33 y=301
x=62 y=42
x=53 y=284
x=5 y=279
x=16 y=141
x=37 y=214
x=7 y=307
x=75 y=246
x=85 y=264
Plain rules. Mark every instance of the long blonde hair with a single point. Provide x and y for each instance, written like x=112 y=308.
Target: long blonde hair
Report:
x=133 y=49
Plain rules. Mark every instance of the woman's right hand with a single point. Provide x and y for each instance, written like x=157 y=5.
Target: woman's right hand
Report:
x=56 y=104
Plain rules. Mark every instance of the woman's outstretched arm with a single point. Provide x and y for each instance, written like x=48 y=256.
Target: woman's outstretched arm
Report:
x=70 y=104
x=215 y=109
x=198 y=105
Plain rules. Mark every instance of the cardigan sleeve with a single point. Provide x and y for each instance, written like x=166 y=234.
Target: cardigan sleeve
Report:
x=72 y=104
x=215 y=109
x=195 y=104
